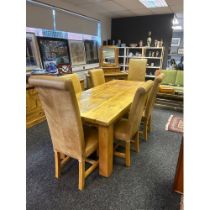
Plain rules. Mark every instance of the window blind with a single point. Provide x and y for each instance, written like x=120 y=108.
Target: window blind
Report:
x=38 y=16
x=76 y=24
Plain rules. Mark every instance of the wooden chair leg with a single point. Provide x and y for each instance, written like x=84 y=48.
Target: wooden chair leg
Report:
x=145 y=130
x=81 y=174
x=149 y=125
x=127 y=154
x=57 y=164
x=136 y=144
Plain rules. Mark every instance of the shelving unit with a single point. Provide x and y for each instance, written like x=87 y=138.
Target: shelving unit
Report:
x=154 y=56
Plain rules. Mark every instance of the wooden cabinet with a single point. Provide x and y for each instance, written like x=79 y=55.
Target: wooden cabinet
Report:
x=34 y=111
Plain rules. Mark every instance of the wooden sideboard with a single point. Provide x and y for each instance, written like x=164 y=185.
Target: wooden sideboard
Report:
x=34 y=111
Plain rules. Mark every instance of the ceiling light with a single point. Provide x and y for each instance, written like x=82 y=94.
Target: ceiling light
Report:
x=154 y=3
x=177 y=28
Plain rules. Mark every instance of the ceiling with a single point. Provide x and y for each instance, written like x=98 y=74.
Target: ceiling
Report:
x=125 y=8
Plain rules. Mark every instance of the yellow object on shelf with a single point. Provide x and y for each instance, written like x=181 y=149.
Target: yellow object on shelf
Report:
x=166 y=89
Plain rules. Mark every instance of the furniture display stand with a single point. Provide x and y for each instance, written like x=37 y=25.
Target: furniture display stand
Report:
x=154 y=56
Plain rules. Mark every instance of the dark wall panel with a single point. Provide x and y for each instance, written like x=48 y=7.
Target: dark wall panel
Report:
x=134 y=29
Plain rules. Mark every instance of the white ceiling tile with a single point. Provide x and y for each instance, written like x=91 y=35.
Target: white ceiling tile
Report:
x=177 y=8
x=93 y=7
x=124 y=13
x=143 y=12
x=119 y=8
x=130 y=4
x=174 y=2
x=111 y=6
x=84 y=1
x=162 y=10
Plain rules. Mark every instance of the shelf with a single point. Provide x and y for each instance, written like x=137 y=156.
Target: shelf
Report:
x=139 y=57
x=134 y=57
x=150 y=76
x=153 y=67
x=141 y=47
x=141 y=53
x=150 y=67
x=175 y=55
x=134 y=47
x=160 y=48
x=153 y=57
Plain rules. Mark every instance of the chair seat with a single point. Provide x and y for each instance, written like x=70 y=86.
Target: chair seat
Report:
x=91 y=140
x=120 y=130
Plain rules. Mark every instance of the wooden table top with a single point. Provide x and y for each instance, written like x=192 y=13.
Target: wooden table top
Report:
x=104 y=104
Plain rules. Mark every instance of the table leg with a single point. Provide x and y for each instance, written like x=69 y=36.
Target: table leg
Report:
x=105 y=150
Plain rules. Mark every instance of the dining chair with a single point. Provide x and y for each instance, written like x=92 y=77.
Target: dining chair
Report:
x=146 y=119
x=69 y=138
x=75 y=81
x=127 y=130
x=137 y=69
x=97 y=77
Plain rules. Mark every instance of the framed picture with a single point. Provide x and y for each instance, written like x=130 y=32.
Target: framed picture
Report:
x=91 y=50
x=175 y=42
x=32 y=52
x=77 y=50
x=64 y=69
x=180 y=51
x=53 y=51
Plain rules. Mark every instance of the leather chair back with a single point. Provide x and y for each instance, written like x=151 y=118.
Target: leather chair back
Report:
x=97 y=77
x=75 y=81
x=152 y=95
x=137 y=69
x=137 y=108
x=62 y=112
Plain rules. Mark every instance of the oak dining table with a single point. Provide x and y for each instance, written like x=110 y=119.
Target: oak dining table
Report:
x=102 y=106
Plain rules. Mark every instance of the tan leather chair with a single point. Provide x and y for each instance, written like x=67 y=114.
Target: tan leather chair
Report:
x=146 y=119
x=127 y=130
x=97 y=77
x=137 y=69
x=62 y=112
x=75 y=81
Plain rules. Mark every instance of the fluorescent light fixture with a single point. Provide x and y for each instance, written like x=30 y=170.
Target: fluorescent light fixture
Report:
x=154 y=3
x=177 y=28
